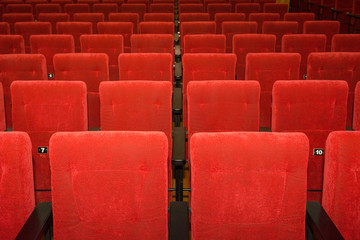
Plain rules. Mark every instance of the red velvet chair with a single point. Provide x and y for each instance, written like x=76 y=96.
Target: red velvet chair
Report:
x=193 y=17
x=315 y=108
x=62 y=3
x=262 y=17
x=205 y=43
x=89 y=2
x=146 y=2
x=19 y=67
x=263 y=2
x=71 y=9
x=128 y=186
x=76 y=29
x=356 y=121
x=17 y=183
x=229 y=29
x=47 y=8
x=280 y=8
x=91 y=68
x=49 y=45
x=4 y=28
x=35 y=2
x=191 y=8
x=11 y=44
x=157 y=28
x=267 y=68
x=279 y=29
x=110 y=44
x=300 y=18
x=27 y=29
x=118 y=2
x=2 y=109
x=345 y=43
x=123 y=28
x=196 y=28
x=206 y=66
x=254 y=193
x=140 y=9
x=146 y=66
x=159 y=17
x=188 y=1
x=226 y=17
x=304 y=44
x=53 y=18
x=126 y=17
x=207 y=2
x=234 y=2
x=161 y=8
x=105 y=8
x=337 y=66
x=250 y=43
x=247 y=9
x=214 y=8
x=94 y=18
x=329 y=28
x=39 y=108
x=19 y=8
x=13 y=18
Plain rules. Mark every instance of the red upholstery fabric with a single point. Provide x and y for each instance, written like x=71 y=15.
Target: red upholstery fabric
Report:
x=230 y=175
x=128 y=186
x=356 y=122
x=4 y=28
x=2 y=109
x=49 y=45
x=279 y=29
x=163 y=1
x=146 y=2
x=234 y=2
x=193 y=17
x=162 y=8
x=229 y=29
x=263 y=2
x=159 y=17
x=206 y=66
x=345 y=43
x=61 y=2
x=262 y=17
x=337 y=66
x=92 y=68
x=123 y=28
x=157 y=28
x=247 y=8
x=267 y=68
x=315 y=108
x=118 y=2
x=221 y=106
x=19 y=67
x=126 y=17
x=280 y=8
x=110 y=44
x=76 y=29
x=19 y=8
x=105 y=8
x=341 y=186
x=140 y=9
x=94 y=18
x=207 y=2
x=26 y=29
x=71 y=9
x=205 y=43
x=329 y=28
x=304 y=44
x=189 y=1
x=250 y=43
x=300 y=18
x=47 y=8
x=191 y=8
x=12 y=18
x=11 y=44
x=196 y=28
x=146 y=66
x=53 y=18
x=89 y=2
x=17 y=184
x=214 y=8
x=222 y=17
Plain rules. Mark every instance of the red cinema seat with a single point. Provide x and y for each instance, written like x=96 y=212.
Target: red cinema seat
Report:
x=27 y=29
x=146 y=66
x=223 y=106
x=126 y=17
x=262 y=17
x=161 y=8
x=163 y=1
x=304 y=44
x=247 y=9
x=337 y=66
x=206 y=66
x=17 y=183
x=6 y=2
x=146 y=2
x=229 y=29
x=91 y=68
x=4 y=28
x=279 y=29
x=62 y=3
x=187 y=28
x=11 y=44
x=35 y=2
x=300 y=18
x=268 y=68
x=2 y=109
x=329 y=28
x=47 y=8
x=226 y=167
x=193 y=17
x=263 y=2
x=188 y=1
x=280 y=8
x=159 y=17
x=71 y=9
x=53 y=18
x=234 y=2
x=110 y=44
x=298 y=107
x=39 y=108
x=76 y=29
x=19 y=67
x=132 y=173
x=105 y=8
x=13 y=18
x=94 y=18
x=207 y=2
x=250 y=43
x=19 y=8
x=123 y=28
x=345 y=43
x=227 y=17
x=204 y=43
x=191 y=8
x=49 y=45
x=118 y=2
x=214 y=8
x=140 y=9
x=356 y=121
x=157 y=28
x=89 y=2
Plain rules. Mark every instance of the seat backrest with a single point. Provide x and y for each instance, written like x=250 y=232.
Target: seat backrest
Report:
x=345 y=43
x=279 y=29
x=262 y=17
x=300 y=18
x=234 y=166
x=280 y=8
x=27 y=29
x=47 y=8
x=247 y=8
x=13 y=18
x=19 y=8
x=11 y=44
x=105 y=8
x=94 y=18
x=329 y=28
x=130 y=162
x=214 y=8
x=191 y=8
x=72 y=8
x=123 y=28
x=234 y=2
x=205 y=43
x=229 y=29
x=162 y=8
x=4 y=28
x=193 y=17
x=263 y=2
x=76 y=29
x=223 y=17
x=138 y=8
x=17 y=184
x=53 y=18
x=157 y=28
x=207 y=2
x=208 y=27
x=126 y=17
x=159 y=17
x=356 y=121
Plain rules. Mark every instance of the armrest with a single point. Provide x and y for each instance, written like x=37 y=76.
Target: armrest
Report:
x=352 y=15
x=320 y=223
x=179 y=221
x=38 y=223
x=178 y=71
x=179 y=154
x=177 y=105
